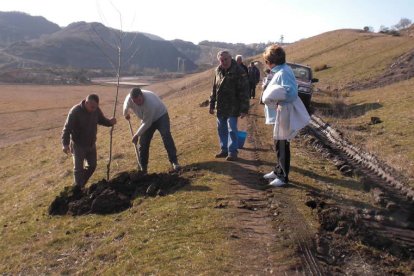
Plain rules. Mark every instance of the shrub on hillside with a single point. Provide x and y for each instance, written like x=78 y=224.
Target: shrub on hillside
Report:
x=368 y=29
x=403 y=24
x=391 y=32
x=385 y=30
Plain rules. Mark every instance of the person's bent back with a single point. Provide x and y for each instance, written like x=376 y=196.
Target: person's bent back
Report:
x=148 y=107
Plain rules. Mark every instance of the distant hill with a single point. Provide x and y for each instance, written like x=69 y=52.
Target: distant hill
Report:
x=236 y=48
x=18 y=26
x=191 y=50
x=32 y=42
x=152 y=36
x=91 y=45
x=205 y=52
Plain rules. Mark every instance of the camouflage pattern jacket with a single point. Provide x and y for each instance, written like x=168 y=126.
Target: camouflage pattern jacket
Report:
x=230 y=95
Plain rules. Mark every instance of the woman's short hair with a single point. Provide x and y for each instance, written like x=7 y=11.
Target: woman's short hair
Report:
x=135 y=92
x=274 y=54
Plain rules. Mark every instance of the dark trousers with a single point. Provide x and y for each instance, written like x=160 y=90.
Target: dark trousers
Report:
x=81 y=171
x=163 y=126
x=252 y=89
x=283 y=159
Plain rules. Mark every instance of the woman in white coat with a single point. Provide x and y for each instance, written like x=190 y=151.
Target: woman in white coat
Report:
x=284 y=109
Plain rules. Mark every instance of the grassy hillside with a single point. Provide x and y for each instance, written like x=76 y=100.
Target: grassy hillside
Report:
x=391 y=140
x=352 y=55
x=185 y=232
x=357 y=56
x=189 y=231
x=157 y=235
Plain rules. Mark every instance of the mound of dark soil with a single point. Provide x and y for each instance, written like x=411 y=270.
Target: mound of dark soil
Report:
x=116 y=195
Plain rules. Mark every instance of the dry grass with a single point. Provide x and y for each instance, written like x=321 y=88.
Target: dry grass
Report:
x=391 y=140
x=351 y=55
x=181 y=232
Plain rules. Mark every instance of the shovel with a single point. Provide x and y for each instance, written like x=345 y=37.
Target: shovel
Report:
x=135 y=146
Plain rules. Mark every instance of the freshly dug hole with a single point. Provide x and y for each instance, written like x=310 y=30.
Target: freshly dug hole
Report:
x=116 y=195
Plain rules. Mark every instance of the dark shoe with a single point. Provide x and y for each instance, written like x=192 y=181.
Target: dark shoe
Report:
x=221 y=154
x=176 y=167
x=231 y=158
x=77 y=190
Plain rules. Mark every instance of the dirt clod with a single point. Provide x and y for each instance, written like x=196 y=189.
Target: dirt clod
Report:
x=375 y=120
x=205 y=103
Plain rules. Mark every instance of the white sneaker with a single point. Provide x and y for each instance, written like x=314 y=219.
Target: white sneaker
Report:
x=176 y=166
x=270 y=175
x=277 y=183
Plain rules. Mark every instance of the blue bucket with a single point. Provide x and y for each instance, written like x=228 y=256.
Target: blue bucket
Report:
x=241 y=138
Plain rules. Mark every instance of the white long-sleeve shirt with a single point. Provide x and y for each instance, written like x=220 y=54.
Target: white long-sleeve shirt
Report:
x=151 y=110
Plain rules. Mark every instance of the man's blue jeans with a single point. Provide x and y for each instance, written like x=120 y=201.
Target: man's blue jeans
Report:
x=163 y=126
x=227 y=131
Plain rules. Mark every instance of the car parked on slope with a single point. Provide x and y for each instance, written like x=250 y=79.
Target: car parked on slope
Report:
x=305 y=81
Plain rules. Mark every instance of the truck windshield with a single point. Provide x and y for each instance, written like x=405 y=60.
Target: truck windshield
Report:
x=301 y=73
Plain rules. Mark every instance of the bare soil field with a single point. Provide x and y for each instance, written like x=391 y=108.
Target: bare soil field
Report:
x=33 y=111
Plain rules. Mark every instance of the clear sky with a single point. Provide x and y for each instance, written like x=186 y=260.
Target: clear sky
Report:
x=245 y=21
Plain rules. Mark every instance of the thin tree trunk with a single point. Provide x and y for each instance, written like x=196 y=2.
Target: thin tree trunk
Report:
x=108 y=166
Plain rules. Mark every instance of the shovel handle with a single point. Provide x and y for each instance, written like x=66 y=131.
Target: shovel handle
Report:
x=135 y=147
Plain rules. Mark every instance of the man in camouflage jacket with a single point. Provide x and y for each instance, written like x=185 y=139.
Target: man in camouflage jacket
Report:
x=230 y=97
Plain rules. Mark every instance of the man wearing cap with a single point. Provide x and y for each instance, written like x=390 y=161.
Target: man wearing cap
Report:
x=79 y=137
x=148 y=107
x=230 y=98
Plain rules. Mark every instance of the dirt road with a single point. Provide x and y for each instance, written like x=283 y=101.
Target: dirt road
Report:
x=273 y=236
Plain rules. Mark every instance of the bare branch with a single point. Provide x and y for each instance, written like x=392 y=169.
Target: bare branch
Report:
x=119 y=14
x=103 y=40
x=101 y=15
x=132 y=56
x=112 y=62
